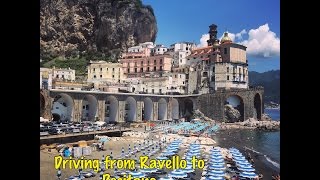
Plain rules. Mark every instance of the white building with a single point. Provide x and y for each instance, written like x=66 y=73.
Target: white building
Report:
x=180 y=51
x=64 y=74
x=159 y=49
x=45 y=78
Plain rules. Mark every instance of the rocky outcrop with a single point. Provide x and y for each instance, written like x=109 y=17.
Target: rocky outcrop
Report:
x=199 y=115
x=263 y=125
x=232 y=114
x=79 y=27
x=266 y=117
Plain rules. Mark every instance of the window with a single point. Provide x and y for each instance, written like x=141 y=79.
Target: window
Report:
x=175 y=76
x=141 y=63
x=107 y=69
x=148 y=62
x=228 y=78
x=239 y=70
x=100 y=69
x=135 y=63
x=146 y=90
x=155 y=61
x=212 y=78
x=234 y=78
x=152 y=91
x=227 y=69
x=135 y=70
x=148 y=69
x=160 y=61
x=205 y=74
x=158 y=49
x=180 y=61
x=208 y=55
x=113 y=69
x=94 y=69
x=128 y=64
x=100 y=76
x=94 y=76
x=160 y=68
x=141 y=69
x=154 y=68
x=160 y=91
x=62 y=76
x=182 y=82
x=187 y=48
x=57 y=76
x=180 y=75
x=225 y=51
x=128 y=70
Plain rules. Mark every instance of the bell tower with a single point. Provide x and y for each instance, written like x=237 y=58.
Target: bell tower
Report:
x=213 y=34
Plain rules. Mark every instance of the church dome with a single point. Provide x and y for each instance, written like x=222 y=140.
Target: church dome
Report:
x=226 y=38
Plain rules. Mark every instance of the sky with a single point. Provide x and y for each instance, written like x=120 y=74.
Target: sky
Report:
x=253 y=23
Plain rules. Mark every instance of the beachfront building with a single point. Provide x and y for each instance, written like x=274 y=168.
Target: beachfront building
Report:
x=45 y=78
x=64 y=74
x=102 y=71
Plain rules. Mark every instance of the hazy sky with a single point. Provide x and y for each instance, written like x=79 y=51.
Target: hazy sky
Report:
x=253 y=23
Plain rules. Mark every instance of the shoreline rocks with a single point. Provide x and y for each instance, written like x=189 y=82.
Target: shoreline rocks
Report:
x=251 y=123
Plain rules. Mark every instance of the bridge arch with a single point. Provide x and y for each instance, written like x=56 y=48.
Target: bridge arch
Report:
x=130 y=109
x=189 y=105
x=147 y=109
x=111 y=109
x=236 y=102
x=175 y=109
x=62 y=108
x=162 y=109
x=258 y=106
x=89 y=108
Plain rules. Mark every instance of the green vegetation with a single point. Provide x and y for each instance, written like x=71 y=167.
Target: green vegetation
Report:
x=270 y=80
x=79 y=64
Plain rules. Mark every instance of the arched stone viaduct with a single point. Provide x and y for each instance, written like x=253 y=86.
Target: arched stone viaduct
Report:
x=71 y=105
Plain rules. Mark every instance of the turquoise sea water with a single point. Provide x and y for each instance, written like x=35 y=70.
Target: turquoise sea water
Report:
x=267 y=144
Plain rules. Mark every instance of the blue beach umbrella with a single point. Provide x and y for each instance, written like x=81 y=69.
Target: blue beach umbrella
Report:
x=215 y=178
x=248 y=174
x=215 y=150
x=218 y=159
x=149 y=170
x=216 y=173
x=217 y=166
x=239 y=158
x=247 y=169
x=178 y=174
x=166 y=178
x=137 y=174
x=237 y=155
x=243 y=163
x=188 y=169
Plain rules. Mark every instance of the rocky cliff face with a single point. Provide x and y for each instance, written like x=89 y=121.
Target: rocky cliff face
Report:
x=75 y=27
